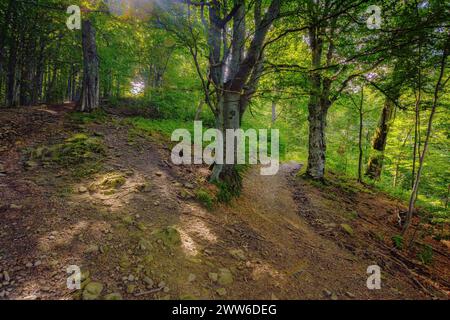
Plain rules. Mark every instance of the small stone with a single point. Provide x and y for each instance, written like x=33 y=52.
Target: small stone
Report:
x=159 y=173
x=149 y=282
x=29 y=265
x=131 y=288
x=37 y=263
x=130 y=277
x=213 y=276
x=221 y=292
x=225 y=277
x=350 y=295
x=30 y=164
x=82 y=189
x=192 y=277
x=238 y=254
x=15 y=206
x=156 y=203
x=92 y=249
x=327 y=293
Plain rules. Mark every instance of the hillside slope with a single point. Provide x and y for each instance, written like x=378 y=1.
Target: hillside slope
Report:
x=104 y=196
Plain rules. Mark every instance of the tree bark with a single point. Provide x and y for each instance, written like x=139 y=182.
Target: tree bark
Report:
x=90 y=95
x=361 y=128
x=319 y=103
x=375 y=165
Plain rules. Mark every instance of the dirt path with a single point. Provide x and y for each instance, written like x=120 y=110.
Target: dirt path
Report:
x=147 y=237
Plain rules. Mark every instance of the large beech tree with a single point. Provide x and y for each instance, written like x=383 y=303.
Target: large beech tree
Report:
x=235 y=32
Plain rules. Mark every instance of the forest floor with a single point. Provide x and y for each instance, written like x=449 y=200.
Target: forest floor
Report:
x=134 y=224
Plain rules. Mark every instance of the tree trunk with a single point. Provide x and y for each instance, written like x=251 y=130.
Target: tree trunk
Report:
x=361 y=128
x=90 y=89
x=317 y=143
x=228 y=117
x=199 y=110
x=11 y=82
x=415 y=189
x=375 y=164
x=274 y=111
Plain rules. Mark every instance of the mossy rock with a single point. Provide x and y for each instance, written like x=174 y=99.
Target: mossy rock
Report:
x=169 y=236
x=113 y=296
x=225 y=277
x=127 y=219
x=76 y=149
x=347 y=229
x=40 y=152
x=131 y=288
x=124 y=262
x=92 y=291
x=221 y=292
x=109 y=183
x=148 y=259
x=144 y=187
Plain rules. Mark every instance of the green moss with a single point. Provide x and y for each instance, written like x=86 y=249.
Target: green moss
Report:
x=97 y=116
x=226 y=192
x=81 y=154
x=109 y=183
x=169 y=236
x=426 y=254
x=347 y=229
x=398 y=241
x=205 y=198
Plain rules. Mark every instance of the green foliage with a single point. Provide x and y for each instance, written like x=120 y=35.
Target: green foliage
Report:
x=426 y=254
x=226 y=193
x=205 y=198
x=97 y=116
x=163 y=126
x=398 y=241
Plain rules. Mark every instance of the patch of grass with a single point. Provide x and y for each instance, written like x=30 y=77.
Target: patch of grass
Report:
x=426 y=254
x=163 y=126
x=398 y=241
x=205 y=198
x=97 y=116
x=351 y=215
x=226 y=193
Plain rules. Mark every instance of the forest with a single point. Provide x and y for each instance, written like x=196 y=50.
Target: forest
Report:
x=92 y=91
